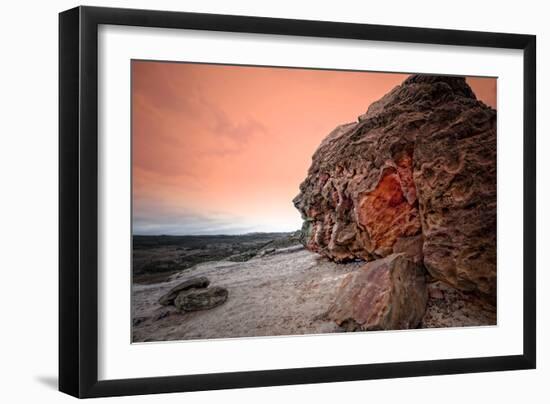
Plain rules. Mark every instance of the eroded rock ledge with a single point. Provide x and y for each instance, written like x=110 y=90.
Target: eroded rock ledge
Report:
x=415 y=174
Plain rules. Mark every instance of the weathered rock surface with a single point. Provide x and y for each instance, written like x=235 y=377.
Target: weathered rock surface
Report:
x=386 y=294
x=193 y=283
x=271 y=295
x=411 y=247
x=420 y=162
x=201 y=299
x=449 y=307
x=277 y=294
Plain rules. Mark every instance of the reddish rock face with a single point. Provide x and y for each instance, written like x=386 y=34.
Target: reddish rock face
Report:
x=420 y=162
x=385 y=213
x=386 y=294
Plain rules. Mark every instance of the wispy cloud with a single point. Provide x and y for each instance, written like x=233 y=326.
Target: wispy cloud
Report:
x=176 y=125
x=188 y=223
x=223 y=149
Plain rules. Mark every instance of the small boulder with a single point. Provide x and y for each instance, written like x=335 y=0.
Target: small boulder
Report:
x=411 y=247
x=201 y=299
x=386 y=294
x=193 y=283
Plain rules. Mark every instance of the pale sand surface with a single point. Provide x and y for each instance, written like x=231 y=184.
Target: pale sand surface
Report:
x=286 y=293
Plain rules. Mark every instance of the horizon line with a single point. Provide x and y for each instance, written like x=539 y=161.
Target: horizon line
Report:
x=214 y=235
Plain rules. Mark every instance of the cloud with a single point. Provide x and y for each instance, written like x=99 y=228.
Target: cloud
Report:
x=155 y=218
x=219 y=124
x=177 y=127
x=168 y=89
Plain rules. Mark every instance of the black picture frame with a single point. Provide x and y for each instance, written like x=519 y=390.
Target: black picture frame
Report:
x=78 y=201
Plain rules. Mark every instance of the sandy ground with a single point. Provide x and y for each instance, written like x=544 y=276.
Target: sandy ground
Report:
x=286 y=293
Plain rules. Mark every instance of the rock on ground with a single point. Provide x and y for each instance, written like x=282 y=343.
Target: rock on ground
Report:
x=420 y=161
x=200 y=299
x=386 y=294
x=193 y=283
x=411 y=247
x=279 y=294
x=287 y=293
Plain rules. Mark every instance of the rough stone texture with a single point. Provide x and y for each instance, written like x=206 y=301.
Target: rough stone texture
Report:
x=449 y=307
x=421 y=160
x=386 y=294
x=411 y=247
x=201 y=299
x=193 y=283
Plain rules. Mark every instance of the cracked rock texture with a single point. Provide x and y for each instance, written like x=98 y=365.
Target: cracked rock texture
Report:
x=386 y=294
x=418 y=167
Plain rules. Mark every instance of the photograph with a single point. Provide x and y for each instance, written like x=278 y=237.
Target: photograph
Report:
x=277 y=201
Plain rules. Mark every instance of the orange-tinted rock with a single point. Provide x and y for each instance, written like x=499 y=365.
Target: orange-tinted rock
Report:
x=420 y=161
x=386 y=294
x=386 y=215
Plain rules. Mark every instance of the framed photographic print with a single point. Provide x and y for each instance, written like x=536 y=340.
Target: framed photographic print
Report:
x=249 y=201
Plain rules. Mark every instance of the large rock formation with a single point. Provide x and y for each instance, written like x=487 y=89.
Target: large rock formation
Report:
x=419 y=165
x=386 y=294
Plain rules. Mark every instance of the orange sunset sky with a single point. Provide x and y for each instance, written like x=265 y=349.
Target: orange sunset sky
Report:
x=222 y=149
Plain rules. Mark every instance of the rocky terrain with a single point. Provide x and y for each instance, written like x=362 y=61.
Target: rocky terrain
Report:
x=156 y=258
x=414 y=176
x=285 y=291
x=399 y=232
